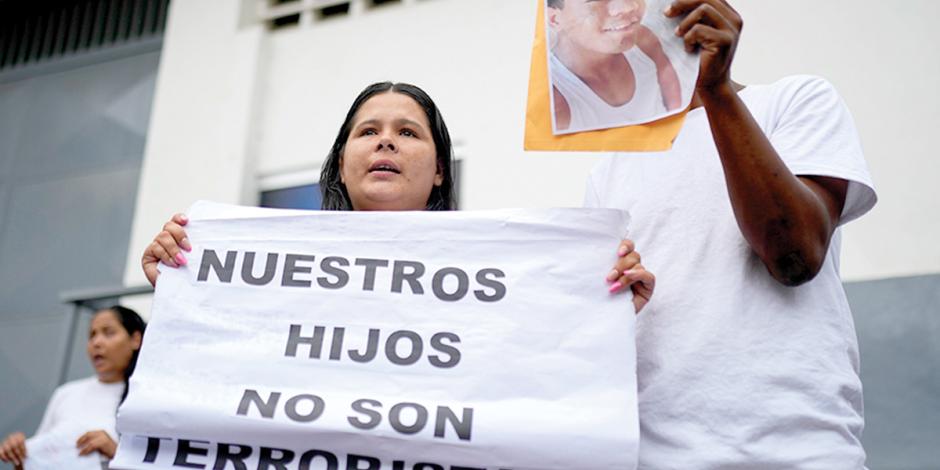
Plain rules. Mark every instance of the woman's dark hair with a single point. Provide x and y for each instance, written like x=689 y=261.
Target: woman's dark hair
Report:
x=335 y=196
x=133 y=323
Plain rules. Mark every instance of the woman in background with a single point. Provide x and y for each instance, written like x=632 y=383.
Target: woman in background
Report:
x=89 y=405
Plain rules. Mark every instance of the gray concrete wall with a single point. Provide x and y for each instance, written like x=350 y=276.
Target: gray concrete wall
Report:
x=898 y=326
x=71 y=145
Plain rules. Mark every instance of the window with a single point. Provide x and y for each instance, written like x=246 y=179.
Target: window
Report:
x=34 y=32
x=284 y=21
x=378 y=3
x=298 y=197
x=297 y=189
x=278 y=14
x=332 y=11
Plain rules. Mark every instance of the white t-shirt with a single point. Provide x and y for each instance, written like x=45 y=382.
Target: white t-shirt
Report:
x=83 y=405
x=589 y=111
x=734 y=369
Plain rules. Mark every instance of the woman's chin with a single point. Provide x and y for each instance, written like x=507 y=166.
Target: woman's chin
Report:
x=387 y=201
x=388 y=207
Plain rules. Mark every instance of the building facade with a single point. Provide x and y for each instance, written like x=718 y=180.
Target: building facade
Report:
x=239 y=100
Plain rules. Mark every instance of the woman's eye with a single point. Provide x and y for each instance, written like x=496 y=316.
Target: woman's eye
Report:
x=369 y=132
x=408 y=133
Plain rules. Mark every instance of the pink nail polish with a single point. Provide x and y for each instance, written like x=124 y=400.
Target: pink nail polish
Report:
x=180 y=259
x=615 y=287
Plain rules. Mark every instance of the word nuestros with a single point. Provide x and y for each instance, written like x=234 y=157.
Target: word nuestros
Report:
x=449 y=284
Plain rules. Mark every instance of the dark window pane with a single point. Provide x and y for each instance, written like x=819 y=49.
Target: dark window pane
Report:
x=332 y=11
x=285 y=21
x=298 y=197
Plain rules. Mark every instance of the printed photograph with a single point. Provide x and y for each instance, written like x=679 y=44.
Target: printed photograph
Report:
x=615 y=63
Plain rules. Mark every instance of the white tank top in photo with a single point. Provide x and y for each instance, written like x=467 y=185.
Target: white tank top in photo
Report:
x=589 y=111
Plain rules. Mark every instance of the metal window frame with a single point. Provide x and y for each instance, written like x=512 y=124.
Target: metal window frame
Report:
x=267 y=12
x=41 y=39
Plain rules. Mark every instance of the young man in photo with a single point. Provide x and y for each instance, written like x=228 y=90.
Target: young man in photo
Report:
x=607 y=68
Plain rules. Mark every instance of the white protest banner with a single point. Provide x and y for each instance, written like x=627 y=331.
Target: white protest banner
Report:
x=399 y=341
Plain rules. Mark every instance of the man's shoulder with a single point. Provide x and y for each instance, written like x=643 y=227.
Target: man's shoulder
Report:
x=790 y=88
x=799 y=81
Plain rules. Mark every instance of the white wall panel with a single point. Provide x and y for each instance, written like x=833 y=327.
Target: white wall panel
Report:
x=473 y=58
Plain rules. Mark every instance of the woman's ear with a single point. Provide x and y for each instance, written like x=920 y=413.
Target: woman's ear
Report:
x=136 y=339
x=439 y=176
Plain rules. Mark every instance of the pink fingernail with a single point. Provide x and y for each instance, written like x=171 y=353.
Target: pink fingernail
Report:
x=613 y=275
x=622 y=251
x=180 y=259
x=615 y=287
x=186 y=245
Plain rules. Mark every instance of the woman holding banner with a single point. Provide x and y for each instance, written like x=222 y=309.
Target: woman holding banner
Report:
x=393 y=153
x=85 y=410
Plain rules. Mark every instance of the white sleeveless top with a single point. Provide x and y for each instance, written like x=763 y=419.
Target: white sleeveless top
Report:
x=590 y=112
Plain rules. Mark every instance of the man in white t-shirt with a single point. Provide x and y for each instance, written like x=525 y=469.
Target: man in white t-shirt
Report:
x=747 y=355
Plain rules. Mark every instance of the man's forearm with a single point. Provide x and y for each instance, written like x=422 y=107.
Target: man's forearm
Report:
x=787 y=222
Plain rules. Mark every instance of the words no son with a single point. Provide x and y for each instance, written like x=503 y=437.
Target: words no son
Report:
x=336 y=272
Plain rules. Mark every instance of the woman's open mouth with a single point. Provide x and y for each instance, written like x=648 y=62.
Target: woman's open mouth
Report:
x=384 y=166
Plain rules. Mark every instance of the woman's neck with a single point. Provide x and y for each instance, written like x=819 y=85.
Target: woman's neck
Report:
x=110 y=378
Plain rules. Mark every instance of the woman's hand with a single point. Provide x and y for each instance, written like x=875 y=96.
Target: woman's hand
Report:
x=629 y=272
x=13 y=449
x=167 y=246
x=96 y=441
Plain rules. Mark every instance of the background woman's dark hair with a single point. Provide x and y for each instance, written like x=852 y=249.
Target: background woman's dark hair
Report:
x=335 y=197
x=132 y=322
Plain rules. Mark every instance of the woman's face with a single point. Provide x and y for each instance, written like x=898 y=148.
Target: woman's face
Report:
x=605 y=26
x=109 y=347
x=390 y=161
